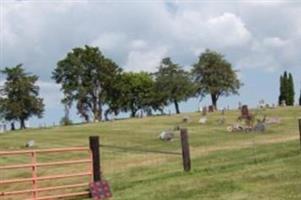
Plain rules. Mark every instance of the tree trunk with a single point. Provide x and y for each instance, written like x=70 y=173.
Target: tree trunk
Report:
x=133 y=112
x=99 y=117
x=12 y=126
x=97 y=110
x=177 y=106
x=22 y=124
x=106 y=114
x=214 y=100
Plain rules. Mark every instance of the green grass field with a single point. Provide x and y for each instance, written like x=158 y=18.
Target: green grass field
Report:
x=224 y=165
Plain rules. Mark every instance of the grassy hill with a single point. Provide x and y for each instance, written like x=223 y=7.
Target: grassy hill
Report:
x=224 y=165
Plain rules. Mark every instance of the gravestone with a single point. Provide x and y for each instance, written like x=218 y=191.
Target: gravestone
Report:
x=12 y=126
x=211 y=108
x=246 y=115
x=203 y=120
x=166 y=136
x=245 y=112
x=204 y=111
x=30 y=143
x=283 y=103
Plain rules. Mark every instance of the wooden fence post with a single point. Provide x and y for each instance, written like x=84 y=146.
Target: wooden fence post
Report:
x=94 y=147
x=185 y=150
x=300 y=131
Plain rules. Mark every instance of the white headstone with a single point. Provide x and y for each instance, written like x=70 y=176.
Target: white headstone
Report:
x=203 y=120
x=30 y=143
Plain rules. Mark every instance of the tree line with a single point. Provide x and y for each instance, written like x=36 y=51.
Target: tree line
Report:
x=96 y=86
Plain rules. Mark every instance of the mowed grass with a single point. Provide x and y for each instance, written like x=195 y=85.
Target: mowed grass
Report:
x=224 y=165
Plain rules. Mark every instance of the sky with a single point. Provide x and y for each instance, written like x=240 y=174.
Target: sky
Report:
x=260 y=38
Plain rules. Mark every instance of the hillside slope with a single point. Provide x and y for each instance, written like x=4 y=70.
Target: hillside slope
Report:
x=224 y=165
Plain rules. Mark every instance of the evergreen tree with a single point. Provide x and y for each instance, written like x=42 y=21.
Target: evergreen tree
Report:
x=284 y=88
x=290 y=90
x=281 y=97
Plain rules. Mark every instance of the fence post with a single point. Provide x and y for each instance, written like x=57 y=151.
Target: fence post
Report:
x=94 y=147
x=300 y=131
x=185 y=150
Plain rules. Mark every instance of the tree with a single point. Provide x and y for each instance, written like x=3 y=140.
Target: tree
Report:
x=20 y=96
x=173 y=83
x=287 y=91
x=290 y=90
x=85 y=75
x=135 y=90
x=282 y=91
x=214 y=75
x=283 y=88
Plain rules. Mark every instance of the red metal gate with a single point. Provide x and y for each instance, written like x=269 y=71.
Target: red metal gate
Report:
x=34 y=166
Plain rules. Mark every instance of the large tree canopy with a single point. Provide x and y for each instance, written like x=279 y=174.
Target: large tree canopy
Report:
x=136 y=91
x=85 y=75
x=173 y=83
x=19 y=96
x=214 y=75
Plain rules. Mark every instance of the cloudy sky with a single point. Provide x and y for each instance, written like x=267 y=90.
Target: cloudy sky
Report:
x=260 y=38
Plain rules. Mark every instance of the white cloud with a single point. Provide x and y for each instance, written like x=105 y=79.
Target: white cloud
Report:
x=138 y=44
x=220 y=31
x=274 y=42
x=109 y=41
x=145 y=60
x=51 y=94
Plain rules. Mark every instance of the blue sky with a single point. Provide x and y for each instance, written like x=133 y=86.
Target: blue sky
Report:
x=260 y=38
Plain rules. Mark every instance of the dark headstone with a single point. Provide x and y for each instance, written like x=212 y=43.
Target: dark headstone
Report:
x=245 y=112
x=12 y=126
x=211 y=108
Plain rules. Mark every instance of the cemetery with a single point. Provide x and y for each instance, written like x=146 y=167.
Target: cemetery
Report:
x=272 y=141
x=150 y=100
